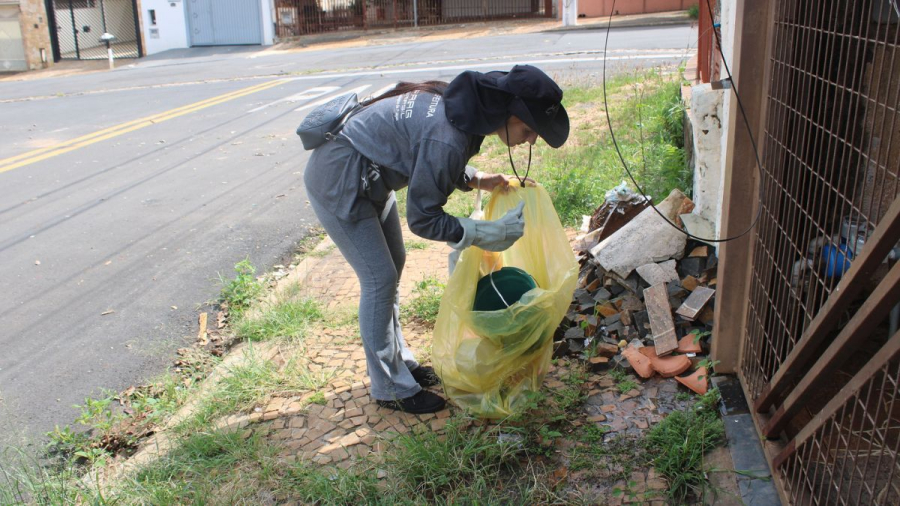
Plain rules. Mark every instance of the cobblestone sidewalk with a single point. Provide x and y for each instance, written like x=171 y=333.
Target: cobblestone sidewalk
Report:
x=348 y=426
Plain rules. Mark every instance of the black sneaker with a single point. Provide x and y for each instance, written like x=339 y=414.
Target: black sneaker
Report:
x=422 y=402
x=425 y=376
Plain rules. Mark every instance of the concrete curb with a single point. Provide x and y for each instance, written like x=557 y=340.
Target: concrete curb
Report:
x=627 y=22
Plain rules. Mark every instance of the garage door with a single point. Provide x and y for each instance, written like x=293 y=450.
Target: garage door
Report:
x=12 y=53
x=224 y=22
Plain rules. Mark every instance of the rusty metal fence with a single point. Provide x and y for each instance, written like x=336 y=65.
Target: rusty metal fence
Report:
x=821 y=354
x=303 y=17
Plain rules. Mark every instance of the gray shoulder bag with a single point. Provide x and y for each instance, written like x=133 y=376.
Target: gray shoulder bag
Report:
x=323 y=123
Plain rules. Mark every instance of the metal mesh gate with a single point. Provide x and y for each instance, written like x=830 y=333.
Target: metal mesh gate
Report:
x=820 y=358
x=302 y=17
x=79 y=25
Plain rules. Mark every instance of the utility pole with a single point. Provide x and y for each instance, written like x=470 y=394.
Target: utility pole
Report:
x=570 y=12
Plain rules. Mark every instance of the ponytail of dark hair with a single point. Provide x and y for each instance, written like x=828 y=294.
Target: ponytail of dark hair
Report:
x=436 y=87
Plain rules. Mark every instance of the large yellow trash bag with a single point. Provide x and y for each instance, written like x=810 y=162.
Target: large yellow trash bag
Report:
x=487 y=360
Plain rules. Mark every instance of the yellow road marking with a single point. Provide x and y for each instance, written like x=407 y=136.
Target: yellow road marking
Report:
x=37 y=155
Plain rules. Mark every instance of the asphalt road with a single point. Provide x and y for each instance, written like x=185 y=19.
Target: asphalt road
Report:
x=124 y=194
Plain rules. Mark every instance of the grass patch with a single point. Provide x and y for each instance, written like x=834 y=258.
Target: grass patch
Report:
x=465 y=465
x=289 y=319
x=679 y=443
x=425 y=300
x=24 y=481
x=207 y=468
x=444 y=466
x=253 y=382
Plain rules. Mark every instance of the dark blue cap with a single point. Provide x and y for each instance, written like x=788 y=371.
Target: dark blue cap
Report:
x=480 y=103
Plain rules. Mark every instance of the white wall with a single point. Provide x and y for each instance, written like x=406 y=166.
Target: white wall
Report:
x=171 y=25
x=729 y=21
x=709 y=110
x=267 y=11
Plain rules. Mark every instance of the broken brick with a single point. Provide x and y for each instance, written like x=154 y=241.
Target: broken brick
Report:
x=668 y=366
x=700 y=251
x=687 y=345
x=696 y=381
x=690 y=283
x=638 y=361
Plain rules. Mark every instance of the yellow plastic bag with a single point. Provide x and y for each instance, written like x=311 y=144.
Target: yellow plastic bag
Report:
x=487 y=360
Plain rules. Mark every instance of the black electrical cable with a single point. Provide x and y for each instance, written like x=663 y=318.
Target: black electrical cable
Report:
x=743 y=114
x=509 y=151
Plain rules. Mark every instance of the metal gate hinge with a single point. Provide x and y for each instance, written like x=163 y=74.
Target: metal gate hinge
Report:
x=723 y=84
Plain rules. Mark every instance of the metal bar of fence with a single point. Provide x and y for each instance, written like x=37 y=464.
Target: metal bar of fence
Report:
x=889 y=352
x=860 y=327
x=851 y=284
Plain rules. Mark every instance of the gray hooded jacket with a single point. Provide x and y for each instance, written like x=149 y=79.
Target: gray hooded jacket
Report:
x=396 y=142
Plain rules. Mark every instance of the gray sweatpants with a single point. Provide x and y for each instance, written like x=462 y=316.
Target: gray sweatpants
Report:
x=375 y=251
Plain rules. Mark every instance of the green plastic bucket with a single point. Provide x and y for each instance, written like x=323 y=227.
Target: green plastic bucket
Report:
x=511 y=283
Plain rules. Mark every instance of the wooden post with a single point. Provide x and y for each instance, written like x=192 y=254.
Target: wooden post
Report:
x=741 y=180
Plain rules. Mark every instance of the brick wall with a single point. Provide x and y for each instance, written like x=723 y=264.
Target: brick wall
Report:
x=35 y=33
x=595 y=8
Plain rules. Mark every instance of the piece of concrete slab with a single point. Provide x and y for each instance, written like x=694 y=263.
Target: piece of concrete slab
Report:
x=699 y=227
x=645 y=239
x=656 y=273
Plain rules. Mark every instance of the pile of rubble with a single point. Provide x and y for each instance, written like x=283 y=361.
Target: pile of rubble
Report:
x=645 y=295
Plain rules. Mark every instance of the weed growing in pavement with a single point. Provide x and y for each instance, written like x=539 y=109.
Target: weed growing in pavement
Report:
x=626 y=386
x=680 y=441
x=425 y=300
x=318 y=398
x=624 y=381
x=289 y=319
x=414 y=245
x=239 y=292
